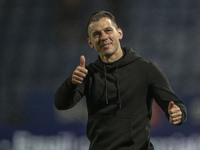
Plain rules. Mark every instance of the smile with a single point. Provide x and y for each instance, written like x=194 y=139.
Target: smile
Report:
x=106 y=45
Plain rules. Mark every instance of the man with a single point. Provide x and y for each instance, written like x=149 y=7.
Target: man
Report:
x=119 y=88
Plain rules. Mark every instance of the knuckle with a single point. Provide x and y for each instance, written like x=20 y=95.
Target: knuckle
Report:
x=75 y=72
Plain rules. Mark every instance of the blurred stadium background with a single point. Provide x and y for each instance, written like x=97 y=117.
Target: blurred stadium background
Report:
x=40 y=45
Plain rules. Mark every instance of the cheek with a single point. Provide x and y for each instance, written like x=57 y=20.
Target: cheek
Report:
x=95 y=45
x=92 y=44
x=116 y=39
x=116 y=36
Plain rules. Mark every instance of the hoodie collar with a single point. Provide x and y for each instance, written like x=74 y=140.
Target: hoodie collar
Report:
x=129 y=56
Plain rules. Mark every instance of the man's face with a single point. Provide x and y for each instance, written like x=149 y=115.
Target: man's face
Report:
x=104 y=36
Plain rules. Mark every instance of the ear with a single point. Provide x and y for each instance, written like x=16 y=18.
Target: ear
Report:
x=120 y=33
x=90 y=43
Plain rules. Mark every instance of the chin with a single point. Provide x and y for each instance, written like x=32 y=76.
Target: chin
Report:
x=109 y=53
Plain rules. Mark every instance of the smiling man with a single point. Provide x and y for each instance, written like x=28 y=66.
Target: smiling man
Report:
x=119 y=88
x=104 y=36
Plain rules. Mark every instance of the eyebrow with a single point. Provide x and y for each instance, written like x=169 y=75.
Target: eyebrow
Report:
x=97 y=31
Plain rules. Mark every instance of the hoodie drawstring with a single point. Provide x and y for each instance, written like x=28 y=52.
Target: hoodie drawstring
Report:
x=118 y=90
x=118 y=87
x=106 y=84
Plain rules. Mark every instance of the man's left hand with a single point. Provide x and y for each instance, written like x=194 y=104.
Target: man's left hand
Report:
x=175 y=114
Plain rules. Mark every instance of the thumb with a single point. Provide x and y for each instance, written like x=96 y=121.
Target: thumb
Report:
x=82 y=61
x=171 y=105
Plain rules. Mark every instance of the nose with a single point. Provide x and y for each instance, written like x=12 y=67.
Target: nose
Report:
x=104 y=36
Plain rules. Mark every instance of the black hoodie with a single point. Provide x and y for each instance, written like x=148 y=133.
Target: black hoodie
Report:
x=119 y=99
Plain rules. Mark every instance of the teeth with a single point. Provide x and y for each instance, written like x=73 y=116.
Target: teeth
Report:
x=105 y=45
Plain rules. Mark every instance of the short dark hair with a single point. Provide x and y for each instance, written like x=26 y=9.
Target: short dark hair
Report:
x=96 y=16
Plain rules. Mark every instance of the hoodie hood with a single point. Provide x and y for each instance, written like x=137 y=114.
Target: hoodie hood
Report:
x=129 y=56
x=111 y=69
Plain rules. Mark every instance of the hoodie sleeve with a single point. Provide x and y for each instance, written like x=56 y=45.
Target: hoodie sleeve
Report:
x=162 y=91
x=68 y=94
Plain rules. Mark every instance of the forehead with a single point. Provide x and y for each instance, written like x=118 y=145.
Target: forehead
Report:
x=101 y=24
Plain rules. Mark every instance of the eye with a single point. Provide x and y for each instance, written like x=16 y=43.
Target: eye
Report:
x=108 y=30
x=96 y=34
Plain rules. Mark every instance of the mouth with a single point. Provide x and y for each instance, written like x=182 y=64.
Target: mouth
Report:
x=105 y=45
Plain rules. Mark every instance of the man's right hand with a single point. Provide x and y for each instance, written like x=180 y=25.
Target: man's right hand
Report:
x=80 y=72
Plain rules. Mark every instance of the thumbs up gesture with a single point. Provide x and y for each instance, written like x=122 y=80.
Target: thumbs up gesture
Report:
x=175 y=114
x=80 y=72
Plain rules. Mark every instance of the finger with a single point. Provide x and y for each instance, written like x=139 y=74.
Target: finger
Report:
x=77 y=79
x=176 y=118
x=174 y=110
x=176 y=114
x=175 y=121
x=81 y=69
x=74 y=81
x=82 y=61
x=79 y=73
x=171 y=105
